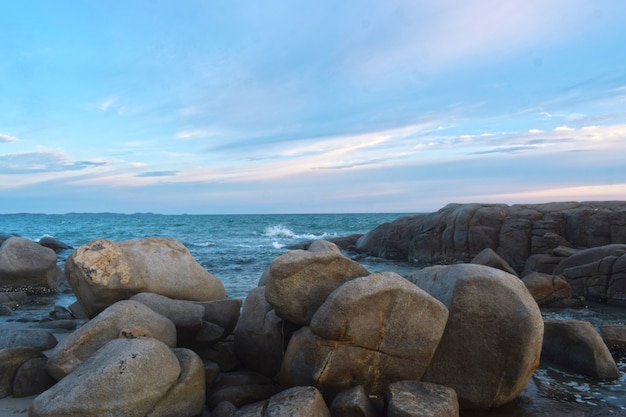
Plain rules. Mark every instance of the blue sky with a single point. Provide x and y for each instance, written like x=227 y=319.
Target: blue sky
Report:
x=288 y=106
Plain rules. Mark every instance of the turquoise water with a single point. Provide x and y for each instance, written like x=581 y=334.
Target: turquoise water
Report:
x=234 y=248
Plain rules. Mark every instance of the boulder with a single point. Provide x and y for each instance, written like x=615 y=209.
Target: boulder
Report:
x=103 y=272
x=420 y=399
x=298 y=282
x=186 y=397
x=577 y=346
x=492 y=341
x=545 y=288
x=32 y=378
x=353 y=402
x=297 y=401
x=182 y=313
x=54 y=244
x=614 y=337
x=458 y=232
x=34 y=338
x=11 y=359
x=260 y=336
x=225 y=313
x=25 y=263
x=490 y=258
x=597 y=273
x=113 y=382
x=371 y=331
x=124 y=319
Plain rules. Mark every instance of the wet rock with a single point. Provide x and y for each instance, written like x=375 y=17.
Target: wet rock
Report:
x=577 y=346
x=298 y=282
x=124 y=319
x=34 y=338
x=492 y=341
x=421 y=399
x=54 y=244
x=112 y=382
x=614 y=336
x=103 y=272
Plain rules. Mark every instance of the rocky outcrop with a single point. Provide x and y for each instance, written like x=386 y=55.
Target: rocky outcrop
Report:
x=103 y=272
x=458 y=232
x=492 y=341
x=25 y=263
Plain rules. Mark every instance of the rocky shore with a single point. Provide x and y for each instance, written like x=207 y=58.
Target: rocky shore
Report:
x=153 y=334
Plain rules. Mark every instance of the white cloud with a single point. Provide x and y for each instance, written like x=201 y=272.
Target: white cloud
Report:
x=105 y=104
x=197 y=133
x=563 y=129
x=8 y=138
x=535 y=131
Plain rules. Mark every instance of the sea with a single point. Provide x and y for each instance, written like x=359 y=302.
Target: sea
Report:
x=238 y=248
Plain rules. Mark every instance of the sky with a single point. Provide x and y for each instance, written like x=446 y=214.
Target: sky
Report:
x=229 y=106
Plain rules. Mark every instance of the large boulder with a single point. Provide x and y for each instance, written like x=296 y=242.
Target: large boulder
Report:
x=103 y=272
x=296 y=401
x=577 y=346
x=113 y=382
x=458 y=232
x=11 y=359
x=492 y=341
x=25 y=263
x=35 y=338
x=421 y=399
x=371 y=331
x=298 y=282
x=124 y=319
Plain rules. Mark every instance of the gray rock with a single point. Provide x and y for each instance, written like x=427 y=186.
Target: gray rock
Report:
x=421 y=399
x=210 y=333
x=492 y=341
x=353 y=402
x=124 y=319
x=25 y=263
x=32 y=378
x=577 y=346
x=298 y=282
x=37 y=339
x=10 y=361
x=490 y=258
x=54 y=244
x=241 y=388
x=187 y=396
x=113 y=382
x=298 y=401
x=224 y=313
x=182 y=313
x=370 y=331
x=614 y=336
x=103 y=272
x=260 y=337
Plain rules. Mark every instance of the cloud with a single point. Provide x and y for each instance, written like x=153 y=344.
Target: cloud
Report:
x=8 y=138
x=41 y=161
x=158 y=174
x=535 y=131
x=105 y=104
x=196 y=133
x=563 y=129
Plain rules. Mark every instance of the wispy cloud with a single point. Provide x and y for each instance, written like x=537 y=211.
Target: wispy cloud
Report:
x=41 y=161
x=8 y=138
x=158 y=174
x=105 y=104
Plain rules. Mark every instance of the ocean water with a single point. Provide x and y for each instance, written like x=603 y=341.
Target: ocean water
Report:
x=234 y=248
x=238 y=248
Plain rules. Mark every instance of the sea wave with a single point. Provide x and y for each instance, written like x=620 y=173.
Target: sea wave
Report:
x=281 y=231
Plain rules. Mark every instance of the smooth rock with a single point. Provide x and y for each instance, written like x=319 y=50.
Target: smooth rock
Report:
x=298 y=401
x=298 y=281
x=545 y=288
x=25 y=263
x=54 y=244
x=34 y=338
x=353 y=402
x=187 y=396
x=489 y=257
x=224 y=313
x=614 y=336
x=421 y=399
x=492 y=341
x=577 y=346
x=32 y=378
x=260 y=337
x=124 y=319
x=182 y=313
x=10 y=361
x=103 y=272
x=113 y=382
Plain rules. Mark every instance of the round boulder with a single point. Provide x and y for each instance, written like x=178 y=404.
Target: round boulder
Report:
x=492 y=341
x=103 y=272
x=25 y=263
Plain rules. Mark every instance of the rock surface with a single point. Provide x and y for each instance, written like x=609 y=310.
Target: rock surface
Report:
x=420 y=399
x=579 y=347
x=492 y=341
x=458 y=232
x=113 y=382
x=25 y=263
x=298 y=282
x=371 y=331
x=103 y=272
